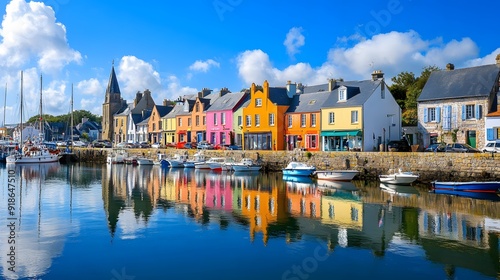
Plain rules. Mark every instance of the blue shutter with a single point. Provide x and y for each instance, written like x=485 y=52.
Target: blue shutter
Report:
x=438 y=114
x=489 y=134
x=478 y=111
x=426 y=118
x=463 y=112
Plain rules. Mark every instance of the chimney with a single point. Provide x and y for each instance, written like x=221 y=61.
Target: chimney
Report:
x=377 y=75
x=291 y=89
x=223 y=91
x=498 y=59
x=165 y=102
x=138 y=97
x=450 y=66
x=332 y=83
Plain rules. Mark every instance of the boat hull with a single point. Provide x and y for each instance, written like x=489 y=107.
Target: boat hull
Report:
x=482 y=187
x=475 y=195
x=38 y=159
x=299 y=172
x=336 y=175
x=398 y=178
x=245 y=168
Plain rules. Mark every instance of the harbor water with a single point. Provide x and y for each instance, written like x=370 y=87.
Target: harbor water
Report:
x=101 y=221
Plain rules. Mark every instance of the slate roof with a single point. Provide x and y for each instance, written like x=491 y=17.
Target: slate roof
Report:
x=357 y=92
x=308 y=102
x=124 y=111
x=466 y=82
x=163 y=110
x=279 y=96
x=113 y=83
x=177 y=109
x=227 y=101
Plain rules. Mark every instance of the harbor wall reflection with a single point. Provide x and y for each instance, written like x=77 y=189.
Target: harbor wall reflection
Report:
x=351 y=214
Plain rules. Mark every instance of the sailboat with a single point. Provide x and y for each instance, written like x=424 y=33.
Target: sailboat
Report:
x=32 y=151
x=68 y=156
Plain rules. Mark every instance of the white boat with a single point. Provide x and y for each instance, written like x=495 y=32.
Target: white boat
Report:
x=215 y=163
x=336 y=175
x=246 y=164
x=144 y=161
x=198 y=157
x=398 y=178
x=117 y=156
x=295 y=168
x=32 y=152
x=177 y=161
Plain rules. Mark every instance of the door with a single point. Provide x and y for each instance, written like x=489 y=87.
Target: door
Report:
x=471 y=138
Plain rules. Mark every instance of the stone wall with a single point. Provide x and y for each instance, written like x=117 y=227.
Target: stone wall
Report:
x=430 y=166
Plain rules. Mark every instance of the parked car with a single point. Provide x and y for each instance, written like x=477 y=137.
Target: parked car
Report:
x=436 y=147
x=205 y=145
x=101 y=144
x=122 y=145
x=491 y=147
x=461 y=148
x=234 y=147
x=398 y=146
x=156 y=145
x=79 y=143
x=144 y=145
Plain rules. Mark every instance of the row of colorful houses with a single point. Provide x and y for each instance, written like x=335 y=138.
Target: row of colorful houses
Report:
x=454 y=106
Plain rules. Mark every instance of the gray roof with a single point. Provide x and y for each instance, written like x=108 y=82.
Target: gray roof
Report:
x=175 y=111
x=144 y=122
x=227 y=102
x=308 y=102
x=357 y=93
x=113 y=82
x=279 y=96
x=466 y=82
x=124 y=111
x=163 y=110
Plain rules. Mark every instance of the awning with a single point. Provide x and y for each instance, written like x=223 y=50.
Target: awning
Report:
x=342 y=133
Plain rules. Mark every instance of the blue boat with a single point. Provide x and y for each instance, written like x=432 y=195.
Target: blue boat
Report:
x=473 y=186
x=296 y=168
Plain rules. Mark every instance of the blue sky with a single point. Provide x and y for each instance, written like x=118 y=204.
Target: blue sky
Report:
x=179 y=47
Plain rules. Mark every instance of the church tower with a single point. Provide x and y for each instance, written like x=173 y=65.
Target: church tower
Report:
x=113 y=103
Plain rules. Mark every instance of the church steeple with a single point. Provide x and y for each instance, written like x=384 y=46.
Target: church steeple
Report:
x=113 y=103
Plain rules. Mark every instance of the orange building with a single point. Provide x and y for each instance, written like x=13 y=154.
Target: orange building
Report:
x=154 y=122
x=302 y=129
x=263 y=119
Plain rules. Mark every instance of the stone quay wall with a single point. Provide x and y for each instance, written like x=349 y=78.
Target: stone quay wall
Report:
x=430 y=166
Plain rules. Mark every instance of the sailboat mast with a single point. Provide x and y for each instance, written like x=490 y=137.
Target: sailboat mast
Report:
x=71 y=124
x=4 y=104
x=41 y=136
x=21 y=140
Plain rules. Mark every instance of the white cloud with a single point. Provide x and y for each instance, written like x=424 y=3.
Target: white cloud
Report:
x=204 y=66
x=175 y=89
x=488 y=59
x=30 y=32
x=294 y=40
x=391 y=52
x=91 y=86
x=135 y=75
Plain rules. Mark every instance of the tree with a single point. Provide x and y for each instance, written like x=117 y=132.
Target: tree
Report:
x=406 y=89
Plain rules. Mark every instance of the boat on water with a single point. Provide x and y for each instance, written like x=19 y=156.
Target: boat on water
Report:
x=215 y=163
x=144 y=161
x=245 y=165
x=472 y=186
x=295 y=168
x=32 y=151
x=336 y=175
x=398 y=178
x=199 y=157
x=177 y=161
x=117 y=156
x=68 y=155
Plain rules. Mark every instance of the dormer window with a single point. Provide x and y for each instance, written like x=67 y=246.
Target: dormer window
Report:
x=342 y=94
x=258 y=102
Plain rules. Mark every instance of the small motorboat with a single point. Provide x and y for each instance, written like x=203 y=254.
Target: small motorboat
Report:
x=295 y=168
x=398 y=178
x=472 y=186
x=336 y=175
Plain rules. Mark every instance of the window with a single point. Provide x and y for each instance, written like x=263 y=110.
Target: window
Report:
x=189 y=121
x=313 y=120
x=180 y=121
x=248 y=120
x=204 y=120
x=240 y=120
x=471 y=112
x=290 y=121
x=197 y=109
x=197 y=120
x=271 y=119
x=258 y=102
x=312 y=141
x=222 y=118
x=215 y=119
x=154 y=126
x=342 y=93
x=432 y=114
x=354 y=116
x=331 y=118
x=303 y=120
x=257 y=120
